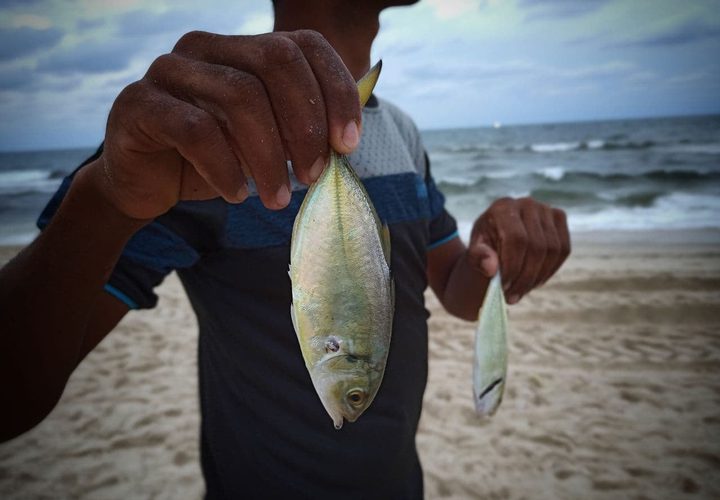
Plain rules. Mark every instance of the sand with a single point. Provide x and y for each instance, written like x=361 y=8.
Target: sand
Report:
x=613 y=392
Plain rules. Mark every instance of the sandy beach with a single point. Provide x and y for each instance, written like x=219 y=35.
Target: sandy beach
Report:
x=613 y=392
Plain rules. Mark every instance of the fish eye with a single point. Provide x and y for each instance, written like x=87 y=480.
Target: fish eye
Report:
x=356 y=397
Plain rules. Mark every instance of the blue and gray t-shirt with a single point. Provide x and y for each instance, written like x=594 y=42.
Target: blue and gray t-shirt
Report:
x=264 y=432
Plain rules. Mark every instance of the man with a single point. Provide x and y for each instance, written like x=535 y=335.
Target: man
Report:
x=168 y=192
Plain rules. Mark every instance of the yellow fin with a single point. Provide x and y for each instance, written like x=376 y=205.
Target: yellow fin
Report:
x=366 y=84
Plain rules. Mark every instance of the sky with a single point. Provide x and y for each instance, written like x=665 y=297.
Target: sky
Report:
x=448 y=63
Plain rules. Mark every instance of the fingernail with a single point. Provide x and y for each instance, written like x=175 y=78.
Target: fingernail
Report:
x=242 y=193
x=317 y=168
x=283 y=196
x=351 y=135
x=513 y=299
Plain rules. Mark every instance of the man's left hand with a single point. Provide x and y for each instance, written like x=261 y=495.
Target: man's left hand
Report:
x=527 y=239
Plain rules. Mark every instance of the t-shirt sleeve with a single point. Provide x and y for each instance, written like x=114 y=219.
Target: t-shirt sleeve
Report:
x=151 y=254
x=443 y=226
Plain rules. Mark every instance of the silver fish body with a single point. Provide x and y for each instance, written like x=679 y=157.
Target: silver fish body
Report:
x=342 y=291
x=491 y=350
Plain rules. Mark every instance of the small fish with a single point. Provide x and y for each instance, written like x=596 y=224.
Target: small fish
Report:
x=342 y=290
x=491 y=351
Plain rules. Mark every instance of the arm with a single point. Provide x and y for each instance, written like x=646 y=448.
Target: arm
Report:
x=528 y=241
x=205 y=117
x=53 y=305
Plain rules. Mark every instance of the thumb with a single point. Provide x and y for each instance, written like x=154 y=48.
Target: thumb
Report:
x=483 y=258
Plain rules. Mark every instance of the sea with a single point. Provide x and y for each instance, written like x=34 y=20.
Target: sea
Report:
x=628 y=175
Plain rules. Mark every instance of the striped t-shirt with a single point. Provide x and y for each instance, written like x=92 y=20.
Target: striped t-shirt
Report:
x=264 y=431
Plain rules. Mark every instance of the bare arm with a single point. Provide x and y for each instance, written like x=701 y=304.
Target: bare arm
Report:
x=205 y=117
x=49 y=295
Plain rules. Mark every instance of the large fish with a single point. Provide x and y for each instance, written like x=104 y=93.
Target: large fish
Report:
x=491 y=350
x=342 y=291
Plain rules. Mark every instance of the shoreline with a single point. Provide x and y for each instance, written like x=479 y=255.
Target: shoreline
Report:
x=676 y=237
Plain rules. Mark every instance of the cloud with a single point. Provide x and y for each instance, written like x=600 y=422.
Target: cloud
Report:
x=20 y=3
x=450 y=9
x=139 y=22
x=88 y=24
x=114 y=55
x=19 y=42
x=540 y=9
x=31 y=21
x=18 y=78
x=692 y=32
x=27 y=80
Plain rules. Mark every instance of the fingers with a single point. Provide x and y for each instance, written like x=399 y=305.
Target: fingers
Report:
x=526 y=275
x=244 y=115
x=531 y=240
x=482 y=257
x=308 y=88
x=191 y=131
x=561 y=227
x=338 y=87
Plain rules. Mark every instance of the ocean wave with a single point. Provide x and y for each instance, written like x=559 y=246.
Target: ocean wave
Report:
x=561 y=176
x=17 y=183
x=647 y=211
x=558 y=174
x=565 y=146
x=22 y=177
x=566 y=198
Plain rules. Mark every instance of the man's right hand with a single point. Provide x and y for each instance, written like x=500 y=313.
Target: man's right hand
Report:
x=218 y=109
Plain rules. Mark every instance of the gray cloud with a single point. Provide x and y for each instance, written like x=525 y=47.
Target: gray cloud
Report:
x=19 y=42
x=19 y=78
x=114 y=55
x=685 y=34
x=88 y=24
x=28 y=80
x=139 y=22
x=142 y=23
x=19 y=3
x=560 y=8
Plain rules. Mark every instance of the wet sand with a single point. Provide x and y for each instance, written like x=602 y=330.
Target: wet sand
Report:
x=613 y=392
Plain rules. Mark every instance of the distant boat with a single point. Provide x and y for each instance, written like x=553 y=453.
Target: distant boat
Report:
x=497 y=124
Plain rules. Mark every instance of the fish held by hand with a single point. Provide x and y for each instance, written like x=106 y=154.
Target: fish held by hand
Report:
x=491 y=350
x=342 y=291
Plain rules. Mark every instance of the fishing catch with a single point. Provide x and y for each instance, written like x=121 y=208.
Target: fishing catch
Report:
x=342 y=290
x=491 y=350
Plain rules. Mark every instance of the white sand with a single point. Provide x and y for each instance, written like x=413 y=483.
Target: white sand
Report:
x=613 y=392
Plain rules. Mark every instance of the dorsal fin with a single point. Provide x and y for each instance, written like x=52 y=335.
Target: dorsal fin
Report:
x=366 y=84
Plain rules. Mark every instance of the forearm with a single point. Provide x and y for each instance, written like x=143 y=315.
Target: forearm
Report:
x=458 y=284
x=47 y=294
x=464 y=290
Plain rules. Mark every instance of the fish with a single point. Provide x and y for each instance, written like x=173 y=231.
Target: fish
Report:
x=491 y=350
x=343 y=296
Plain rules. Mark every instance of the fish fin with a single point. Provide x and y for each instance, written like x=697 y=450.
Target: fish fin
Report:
x=385 y=240
x=292 y=317
x=366 y=84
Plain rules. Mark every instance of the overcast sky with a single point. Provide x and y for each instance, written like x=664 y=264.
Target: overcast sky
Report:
x=449 y=63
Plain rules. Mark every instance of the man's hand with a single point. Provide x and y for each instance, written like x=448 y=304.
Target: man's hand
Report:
x=221 y=108
x=529 y=240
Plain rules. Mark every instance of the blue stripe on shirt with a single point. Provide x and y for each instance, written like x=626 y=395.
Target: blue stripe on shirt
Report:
x=121 y=296
x=397 y=198
x=442 y=241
